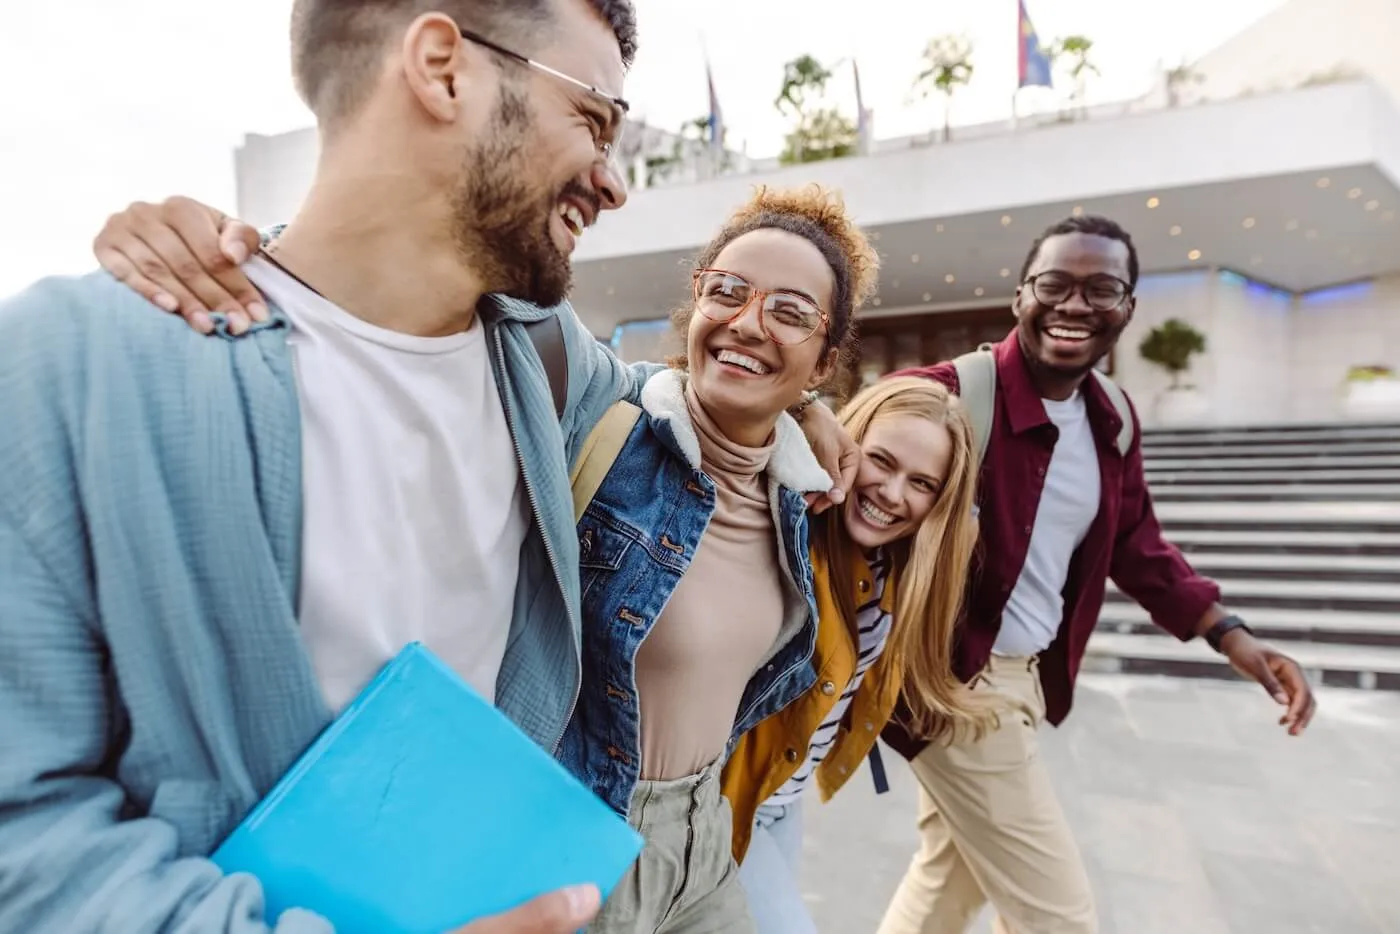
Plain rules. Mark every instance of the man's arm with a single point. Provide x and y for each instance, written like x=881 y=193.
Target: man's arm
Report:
x=184 y=256
x=1150 y=569
x=597 y=380
x=944 y=373
x=69 y=858
x=1153 y=572
x=68 y=861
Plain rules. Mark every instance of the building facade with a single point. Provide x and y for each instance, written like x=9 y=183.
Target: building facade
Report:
x=1265 y=215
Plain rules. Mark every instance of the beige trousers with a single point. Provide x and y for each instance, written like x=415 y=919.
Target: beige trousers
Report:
x=685 y=881
x=992 y=829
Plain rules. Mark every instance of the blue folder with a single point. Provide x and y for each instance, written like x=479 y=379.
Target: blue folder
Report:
x=422 y=808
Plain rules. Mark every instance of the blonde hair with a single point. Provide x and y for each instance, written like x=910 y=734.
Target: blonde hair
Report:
x=932 y=564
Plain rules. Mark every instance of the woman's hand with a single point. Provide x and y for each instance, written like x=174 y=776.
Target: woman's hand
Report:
x=184 y=257
x=835 y=450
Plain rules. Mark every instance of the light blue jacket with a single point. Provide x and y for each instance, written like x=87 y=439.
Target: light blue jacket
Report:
x=153 y=685
x=636 y=541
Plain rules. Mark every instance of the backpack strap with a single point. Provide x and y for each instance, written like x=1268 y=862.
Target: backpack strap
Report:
x=547 y=335
x=977 y=388
x=600 y=450
x=1125 y=411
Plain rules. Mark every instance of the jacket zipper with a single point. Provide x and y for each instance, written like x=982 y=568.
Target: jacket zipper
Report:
x=548 y=548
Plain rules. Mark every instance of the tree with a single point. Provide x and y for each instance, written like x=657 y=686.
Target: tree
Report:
x=1075 y=49
x=692 y=139
x=947 y=66
x=1178 y=79
x=820 y=130
x=1171 y=345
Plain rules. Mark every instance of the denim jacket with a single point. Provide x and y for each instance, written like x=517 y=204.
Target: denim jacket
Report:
x=636 y=541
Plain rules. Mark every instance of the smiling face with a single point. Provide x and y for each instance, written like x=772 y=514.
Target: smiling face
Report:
x=1063 y=341
x=905 y=464
x=540 y=173
x=744 y=379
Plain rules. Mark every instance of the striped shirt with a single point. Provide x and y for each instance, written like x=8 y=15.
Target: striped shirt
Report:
x=873 y=629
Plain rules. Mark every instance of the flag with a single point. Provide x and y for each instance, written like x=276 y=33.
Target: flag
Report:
x=1034 y=63
x=716 y=115
x=862 y=115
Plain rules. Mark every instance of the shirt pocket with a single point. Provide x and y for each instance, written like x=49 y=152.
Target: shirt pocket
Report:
x=602 y=550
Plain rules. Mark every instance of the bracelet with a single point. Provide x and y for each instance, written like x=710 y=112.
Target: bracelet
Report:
x=1226 y=625
x=808 y=397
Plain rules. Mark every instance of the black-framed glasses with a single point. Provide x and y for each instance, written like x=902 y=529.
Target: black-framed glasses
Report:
x=1101 y=291
x=786 y=316
x=617 y=106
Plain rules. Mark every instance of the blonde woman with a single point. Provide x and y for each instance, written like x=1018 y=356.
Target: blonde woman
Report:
x=889 y=571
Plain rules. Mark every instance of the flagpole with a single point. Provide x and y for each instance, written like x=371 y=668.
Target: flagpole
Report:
x=1020 y=45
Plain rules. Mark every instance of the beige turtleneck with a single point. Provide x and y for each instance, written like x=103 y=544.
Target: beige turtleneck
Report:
x=722 y=620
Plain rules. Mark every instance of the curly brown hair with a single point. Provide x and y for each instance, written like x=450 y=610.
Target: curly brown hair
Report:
x=818 y=215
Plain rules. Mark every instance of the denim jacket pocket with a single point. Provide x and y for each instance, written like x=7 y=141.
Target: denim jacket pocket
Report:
x=601 y=545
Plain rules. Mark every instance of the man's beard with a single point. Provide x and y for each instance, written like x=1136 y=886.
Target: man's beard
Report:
x=501 y=225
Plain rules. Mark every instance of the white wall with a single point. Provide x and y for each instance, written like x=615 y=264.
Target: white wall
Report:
x=1304 y=39
x=1337 y=329
x=274 y=173
x=1270 y=357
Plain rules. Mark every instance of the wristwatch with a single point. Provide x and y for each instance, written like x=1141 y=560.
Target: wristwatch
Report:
x=1227 y=625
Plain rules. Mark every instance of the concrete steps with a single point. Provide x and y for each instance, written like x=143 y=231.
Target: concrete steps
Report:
x=1364 y=667
x=1201 y=542
x=1294 y=565
x=1248 y=492
x=1184 y=450
x=1300 y=525
x=1329 y=626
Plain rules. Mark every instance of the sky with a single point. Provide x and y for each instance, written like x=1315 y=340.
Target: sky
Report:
x=108 y=102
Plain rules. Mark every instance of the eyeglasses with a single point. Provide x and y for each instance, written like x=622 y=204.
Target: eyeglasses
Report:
x=618 y=108
x=1102 y=292
x=785 y=316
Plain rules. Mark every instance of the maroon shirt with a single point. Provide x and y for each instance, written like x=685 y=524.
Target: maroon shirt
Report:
x=1124 y=542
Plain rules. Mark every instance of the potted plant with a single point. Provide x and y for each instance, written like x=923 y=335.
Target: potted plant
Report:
x=1372 y=391
x=1171 y=345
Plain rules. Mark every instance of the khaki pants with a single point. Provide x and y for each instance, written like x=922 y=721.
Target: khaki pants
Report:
x=992 y=829
x=685 y=881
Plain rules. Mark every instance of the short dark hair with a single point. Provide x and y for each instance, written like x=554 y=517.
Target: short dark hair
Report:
x=337 y=44
x=1093 y=224
x=819 y=216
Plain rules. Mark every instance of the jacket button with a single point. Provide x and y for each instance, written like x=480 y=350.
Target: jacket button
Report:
x=790 y=755
x=869 y=727
x=863 y=585
x=828 y=688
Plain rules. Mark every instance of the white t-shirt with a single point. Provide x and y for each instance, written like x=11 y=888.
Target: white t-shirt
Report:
x=413 y=508
x=1068 y=505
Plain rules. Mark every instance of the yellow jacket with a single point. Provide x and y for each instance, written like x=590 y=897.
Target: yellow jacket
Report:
x=770 y=753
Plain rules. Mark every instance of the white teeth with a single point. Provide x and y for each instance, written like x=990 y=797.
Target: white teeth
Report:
x=875 y=514
x=573 y=218
x=1069 y=334
x=738 y=359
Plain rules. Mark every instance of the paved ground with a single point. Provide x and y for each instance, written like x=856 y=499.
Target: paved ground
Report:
x=1195 y=813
